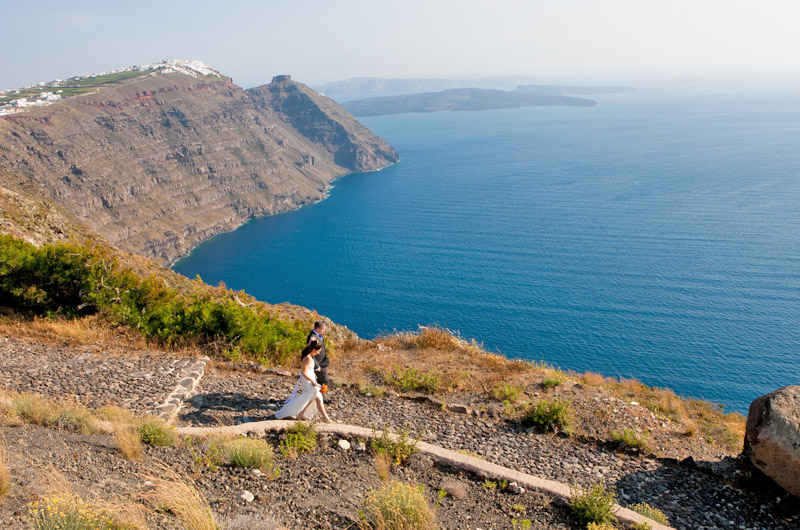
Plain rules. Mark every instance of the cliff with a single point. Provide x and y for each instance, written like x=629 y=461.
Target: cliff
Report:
x=160 y=162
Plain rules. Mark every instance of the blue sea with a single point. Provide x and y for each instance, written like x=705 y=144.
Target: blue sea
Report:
x=652 y=236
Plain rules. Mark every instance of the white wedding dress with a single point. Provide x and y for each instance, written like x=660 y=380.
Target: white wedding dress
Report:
x=296 y=404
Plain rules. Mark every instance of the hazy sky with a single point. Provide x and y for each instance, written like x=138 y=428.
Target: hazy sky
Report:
x=327 y=40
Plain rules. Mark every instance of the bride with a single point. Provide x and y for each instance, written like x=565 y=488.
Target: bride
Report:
x=301 y=406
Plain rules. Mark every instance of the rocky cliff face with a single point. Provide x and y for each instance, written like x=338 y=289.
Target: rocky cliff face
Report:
x=158 y=163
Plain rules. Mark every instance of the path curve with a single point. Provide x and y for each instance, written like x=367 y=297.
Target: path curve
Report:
x=480 y=467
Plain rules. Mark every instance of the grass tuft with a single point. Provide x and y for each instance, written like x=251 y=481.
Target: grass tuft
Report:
x=155 y=431
x=655 y=514
x=398 y=448
x=554 y=378
x=5 y=471
x=67 y=512
x=507 y=392
x=397 y=506
x=593 y=505
x=630 y=438
x=549 y=415
x=408 y=379
x=126 y=433
x=186 y=503
x=300 y=438
x=252 y=454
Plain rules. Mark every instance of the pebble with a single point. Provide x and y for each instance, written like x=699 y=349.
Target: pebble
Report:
x=344 y=445
x=246 y=496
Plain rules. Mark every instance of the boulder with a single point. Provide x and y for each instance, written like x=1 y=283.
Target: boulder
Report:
x=772 y=438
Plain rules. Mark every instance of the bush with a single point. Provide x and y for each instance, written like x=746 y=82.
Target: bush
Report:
x=507 y=392
x=549 y=415
x=155 y=431
x=397 y=506
x=407 y=379
x=655 y=514
x=554 y=379
x=66 y=512
x=629 y=438
x=399 y=449
x=595 y=505
x=250 y=453
x=68 y=279
x=300 y=438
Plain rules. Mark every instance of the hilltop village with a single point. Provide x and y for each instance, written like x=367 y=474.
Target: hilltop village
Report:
x=16 y=100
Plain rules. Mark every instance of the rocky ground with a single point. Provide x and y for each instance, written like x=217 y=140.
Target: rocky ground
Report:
x=324 y=489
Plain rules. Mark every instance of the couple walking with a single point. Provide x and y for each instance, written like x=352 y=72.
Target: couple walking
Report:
x=313 y=381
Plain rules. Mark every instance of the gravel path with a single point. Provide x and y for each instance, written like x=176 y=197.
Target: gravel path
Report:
x=694 y=496
x=709 y=495
x=142 y=381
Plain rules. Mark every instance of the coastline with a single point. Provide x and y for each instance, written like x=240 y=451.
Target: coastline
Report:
x=297 y=206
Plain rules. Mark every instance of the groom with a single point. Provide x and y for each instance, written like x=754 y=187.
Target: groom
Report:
x=321 y=361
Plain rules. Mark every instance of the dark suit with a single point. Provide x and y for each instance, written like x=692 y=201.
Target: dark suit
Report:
x=321 y=360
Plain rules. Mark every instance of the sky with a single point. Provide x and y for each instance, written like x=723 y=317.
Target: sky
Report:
x=318 y=41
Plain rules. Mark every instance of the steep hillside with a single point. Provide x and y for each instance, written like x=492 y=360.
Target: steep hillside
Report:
x=160 y=162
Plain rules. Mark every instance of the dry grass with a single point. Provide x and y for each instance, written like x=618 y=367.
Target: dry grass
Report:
x=79 y=331
x=5 y=470
x=397 y=506
x=126 y=433
x=383 y=465
x=184 y=501
x=459 y=365
x=69 y=512
x=697 y=417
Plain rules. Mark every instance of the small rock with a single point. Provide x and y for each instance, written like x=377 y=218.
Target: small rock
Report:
x=257 y=473
x=246 y=496
x=344 y=445
x=361 y=447
x=513 y=487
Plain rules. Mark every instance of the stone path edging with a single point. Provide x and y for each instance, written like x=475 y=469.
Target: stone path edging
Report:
x=188 y=379
x=480 y=467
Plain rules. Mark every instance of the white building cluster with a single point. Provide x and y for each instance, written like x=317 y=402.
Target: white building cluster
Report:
x=190 y=68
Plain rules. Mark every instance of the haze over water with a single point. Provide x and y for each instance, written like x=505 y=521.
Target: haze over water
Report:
x=648 y=237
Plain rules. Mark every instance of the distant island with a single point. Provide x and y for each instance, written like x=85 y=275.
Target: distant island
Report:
x=460 y=99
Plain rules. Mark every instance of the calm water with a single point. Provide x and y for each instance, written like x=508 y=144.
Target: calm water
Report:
x=656 y=238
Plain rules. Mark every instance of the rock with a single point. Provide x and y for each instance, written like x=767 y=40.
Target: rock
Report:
x=513 y=487
x=257 y=473
x=772 y=437
x=246 y=496
x=361 y=447
x=460 y=409
x=344 y=445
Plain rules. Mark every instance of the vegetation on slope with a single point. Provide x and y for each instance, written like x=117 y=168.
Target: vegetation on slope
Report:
x=71 y=279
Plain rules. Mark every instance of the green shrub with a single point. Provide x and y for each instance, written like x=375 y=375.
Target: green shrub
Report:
x=655 y=514
x=397 y=506
x=407 y=379
x=549 y=415
x=554 y=379
x=68 y=278
x=507 y=392
x=300 y=438
x=595 y=505
x=155 y=431
x=250 y=453
x=399 y=449
x=629 y=438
